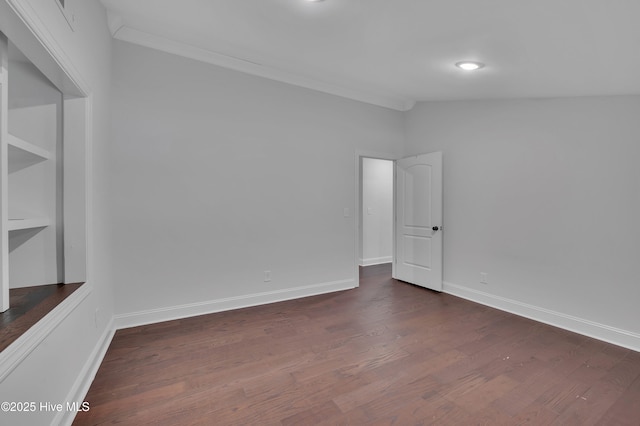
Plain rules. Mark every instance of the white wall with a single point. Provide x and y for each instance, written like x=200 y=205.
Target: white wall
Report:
x=218 y=176
x=55 y=370
x=377 y=211
x=544 y=196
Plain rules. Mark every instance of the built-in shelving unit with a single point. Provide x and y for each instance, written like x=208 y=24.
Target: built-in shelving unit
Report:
x=31 y=213
x=44 y=132
x=45 y=143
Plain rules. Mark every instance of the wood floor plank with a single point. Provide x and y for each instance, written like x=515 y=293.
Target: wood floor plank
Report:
x=400 y=393
x=312 y=416
x=623 y=374
x=588 y=408
x=624 y=411
x=535 y=414
x=384 y=353
x=480 y=398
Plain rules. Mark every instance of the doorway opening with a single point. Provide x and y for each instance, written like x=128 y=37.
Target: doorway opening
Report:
x=376 y=203
x=414 y=254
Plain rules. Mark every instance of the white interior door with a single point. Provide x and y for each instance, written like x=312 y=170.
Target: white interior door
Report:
x=418 y=221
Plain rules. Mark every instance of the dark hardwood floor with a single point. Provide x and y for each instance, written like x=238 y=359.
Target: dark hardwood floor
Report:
x=29 y=305
x=385 y=353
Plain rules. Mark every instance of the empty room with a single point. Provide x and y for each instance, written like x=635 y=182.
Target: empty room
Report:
x=337 y=212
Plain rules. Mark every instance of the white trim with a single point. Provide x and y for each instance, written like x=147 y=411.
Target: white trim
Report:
x=67 y=12
x=170 y=313
x=88 y=189
x=376 y=261
x=128 y=34
x=70 y=81
x=16 y=352
x=115 y=22
x=582 y=326
x=83 y=382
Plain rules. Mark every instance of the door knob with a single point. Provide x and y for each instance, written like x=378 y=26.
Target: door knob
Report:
x=436 y=228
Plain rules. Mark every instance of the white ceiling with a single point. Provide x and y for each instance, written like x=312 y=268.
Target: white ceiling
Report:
x=396 y=52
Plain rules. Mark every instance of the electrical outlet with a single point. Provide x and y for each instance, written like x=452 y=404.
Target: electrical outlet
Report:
x=483 y=278
x=267 y=276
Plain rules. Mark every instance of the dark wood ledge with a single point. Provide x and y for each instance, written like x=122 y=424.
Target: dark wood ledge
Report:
x=29 y=305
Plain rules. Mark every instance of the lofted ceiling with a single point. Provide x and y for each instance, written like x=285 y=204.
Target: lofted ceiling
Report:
x=396 y=52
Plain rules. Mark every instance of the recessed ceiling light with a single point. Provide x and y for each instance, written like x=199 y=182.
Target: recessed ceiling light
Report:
x=470 y=65
x=314 y=1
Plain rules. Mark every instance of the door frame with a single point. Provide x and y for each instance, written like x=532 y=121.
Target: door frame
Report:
x=358 y=213
x=358 y=201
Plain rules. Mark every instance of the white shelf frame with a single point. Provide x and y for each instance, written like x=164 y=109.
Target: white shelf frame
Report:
x=19 y=148
x=4 y=177
x=31 y=223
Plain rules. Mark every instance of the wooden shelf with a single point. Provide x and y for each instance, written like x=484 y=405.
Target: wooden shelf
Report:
x=19 y=224
x=23 y=151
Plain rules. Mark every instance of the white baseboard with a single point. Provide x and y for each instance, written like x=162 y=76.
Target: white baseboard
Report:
x=375 y=261
x=170 y=313
x=582 y=326
x=82 y=384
